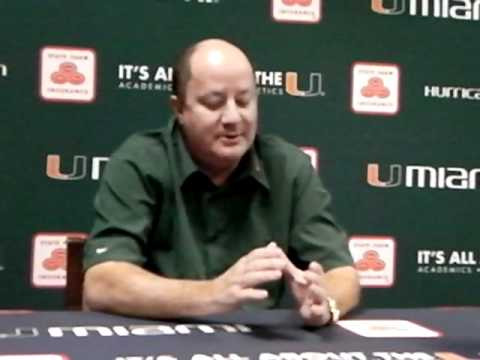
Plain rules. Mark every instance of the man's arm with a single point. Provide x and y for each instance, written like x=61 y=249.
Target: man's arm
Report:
x=318 y=241
x=315 y=294
x=128 y=289
x=125 y=288
x=343 y=286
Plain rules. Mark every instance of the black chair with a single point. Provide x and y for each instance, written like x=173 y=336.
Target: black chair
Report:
x=74 y=286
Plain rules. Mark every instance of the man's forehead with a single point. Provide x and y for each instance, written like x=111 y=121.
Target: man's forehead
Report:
x=218 y=78
x=218 y=54
x=211 y=88
x=218 y=82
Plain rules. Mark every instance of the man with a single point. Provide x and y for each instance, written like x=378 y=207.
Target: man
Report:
x=206 y=216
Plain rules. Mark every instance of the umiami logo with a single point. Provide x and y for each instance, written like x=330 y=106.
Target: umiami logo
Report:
x=394 y=177
x=314 y=89
x=79 y=167
x=418 y=176
x=281 y=83
x=467 y=10
x=397 y=8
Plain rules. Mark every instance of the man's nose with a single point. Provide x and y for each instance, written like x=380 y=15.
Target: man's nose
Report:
x=231 y=113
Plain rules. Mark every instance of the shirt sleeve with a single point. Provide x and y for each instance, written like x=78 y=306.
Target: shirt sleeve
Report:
x=124 y=207
x=315 y=235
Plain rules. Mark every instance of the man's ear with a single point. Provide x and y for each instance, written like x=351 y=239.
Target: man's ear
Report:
x=176 y=105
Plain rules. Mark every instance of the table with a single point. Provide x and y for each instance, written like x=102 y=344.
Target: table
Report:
x=260 y=335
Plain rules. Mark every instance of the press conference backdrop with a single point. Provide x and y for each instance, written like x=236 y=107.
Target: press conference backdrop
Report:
x=383 y=95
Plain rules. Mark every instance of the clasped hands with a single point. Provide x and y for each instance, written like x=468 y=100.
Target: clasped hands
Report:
x=239 y=284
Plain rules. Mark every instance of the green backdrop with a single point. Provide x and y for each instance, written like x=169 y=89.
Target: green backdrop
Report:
x=390 y=84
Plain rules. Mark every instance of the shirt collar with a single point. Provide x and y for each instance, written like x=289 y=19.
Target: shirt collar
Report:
x=255 y=167
x=251 y=164
x=183 y=161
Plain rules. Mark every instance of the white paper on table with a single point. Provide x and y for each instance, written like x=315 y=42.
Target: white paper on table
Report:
x=388 y=329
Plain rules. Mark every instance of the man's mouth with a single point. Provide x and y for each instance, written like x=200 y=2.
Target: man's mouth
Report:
x=230 y=138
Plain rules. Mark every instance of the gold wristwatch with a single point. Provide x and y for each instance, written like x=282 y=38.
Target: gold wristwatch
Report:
x=334 y=310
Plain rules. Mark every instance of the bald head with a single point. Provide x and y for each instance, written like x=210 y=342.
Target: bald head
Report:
x=215 y=105
x=206 y=54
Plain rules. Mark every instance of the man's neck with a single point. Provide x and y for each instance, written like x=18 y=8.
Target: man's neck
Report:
x=219 y=176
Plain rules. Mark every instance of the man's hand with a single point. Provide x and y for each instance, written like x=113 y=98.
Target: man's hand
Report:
x=239 y=284
x=311 y=295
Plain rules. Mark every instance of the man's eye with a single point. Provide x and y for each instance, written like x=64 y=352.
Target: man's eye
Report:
x=213 y=103
x=243 y=102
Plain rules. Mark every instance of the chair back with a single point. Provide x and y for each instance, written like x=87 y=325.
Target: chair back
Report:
x=74 y=286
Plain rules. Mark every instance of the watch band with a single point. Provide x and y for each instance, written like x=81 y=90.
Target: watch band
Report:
x=334 y=310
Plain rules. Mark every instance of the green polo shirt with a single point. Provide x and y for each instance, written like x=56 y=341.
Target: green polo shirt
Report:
x=157 y=209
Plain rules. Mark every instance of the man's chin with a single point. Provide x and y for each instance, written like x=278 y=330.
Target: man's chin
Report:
x=231 y=155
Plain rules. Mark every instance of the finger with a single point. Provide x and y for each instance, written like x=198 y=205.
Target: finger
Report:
x=293 y=272
x=265 y=252
x=319 y=315
x=315 y=274
x=251 y=294
x=316 y=268
x=256 y=278
x=320 y=311
x=265 y=264
x=317 y=294
x=305 y=308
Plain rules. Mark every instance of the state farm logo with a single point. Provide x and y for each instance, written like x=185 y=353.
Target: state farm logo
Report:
x=56 y=260
x=451 y=92
x=416 y=176
x=77 y=167
x=374 y=258
x=67 y=74
x=448 y=261
x=370 y=261
x=145 y=77
x=297 y=11
x=49 y=259
x=289 y=83
x=375 y=88
x=3 y=70
x=468 y=10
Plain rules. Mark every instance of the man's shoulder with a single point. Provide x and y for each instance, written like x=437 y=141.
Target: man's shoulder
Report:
x=143 y=145
x=273 y=149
